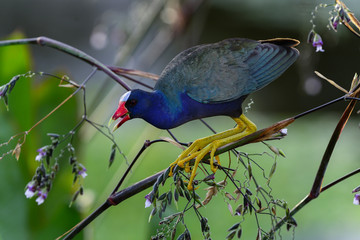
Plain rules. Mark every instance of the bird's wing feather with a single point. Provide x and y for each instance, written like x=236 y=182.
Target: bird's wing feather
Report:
x=226 y=70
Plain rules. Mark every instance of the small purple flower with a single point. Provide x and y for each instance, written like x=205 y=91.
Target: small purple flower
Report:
x=148 y=201
x=335 y=22
x=42 y=153
x=317 y=42
x=356 y=199
x=82 y=172
x=42 y=195
x=30 y=189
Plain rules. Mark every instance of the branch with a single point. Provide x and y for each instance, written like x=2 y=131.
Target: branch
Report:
x=112 y=201
x=316 y=189
x=48 y=42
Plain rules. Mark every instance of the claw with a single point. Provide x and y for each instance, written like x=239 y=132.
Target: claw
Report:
x=199 y=148
x=212 y=167
x=187 y=167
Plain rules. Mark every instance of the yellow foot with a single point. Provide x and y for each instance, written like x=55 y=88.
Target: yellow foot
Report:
x=199 y=148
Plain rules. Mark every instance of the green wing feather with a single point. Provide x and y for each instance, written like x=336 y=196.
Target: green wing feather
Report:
x=227 y=70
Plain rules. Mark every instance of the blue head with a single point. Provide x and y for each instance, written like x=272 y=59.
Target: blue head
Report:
x=150 y=106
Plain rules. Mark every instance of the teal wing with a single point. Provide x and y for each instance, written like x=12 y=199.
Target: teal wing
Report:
x=227 y=70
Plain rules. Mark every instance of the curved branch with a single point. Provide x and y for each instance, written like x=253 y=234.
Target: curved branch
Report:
x=48 y=42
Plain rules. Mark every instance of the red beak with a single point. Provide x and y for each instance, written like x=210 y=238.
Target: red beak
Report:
x=121 y=113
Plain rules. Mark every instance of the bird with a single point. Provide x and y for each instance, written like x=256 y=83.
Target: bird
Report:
x=209 y=80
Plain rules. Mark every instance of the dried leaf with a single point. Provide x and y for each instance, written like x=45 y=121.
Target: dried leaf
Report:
x=238 y=193
x=134 y=72
x=331 y=82
x=222 y=183
x=273 y=209
x=260 y=210
x=211 y=191
x=17 y=151
x=229 y=196
x=230 y=209
x=234 y=173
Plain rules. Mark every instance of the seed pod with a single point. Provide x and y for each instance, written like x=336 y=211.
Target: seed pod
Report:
x=112 y=155
x=239 y=233
x=231 y=235
x=176 y=195
x=234 y=227
x=169 y=197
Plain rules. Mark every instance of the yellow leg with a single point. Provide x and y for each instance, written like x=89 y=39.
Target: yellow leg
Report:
x=199 y=148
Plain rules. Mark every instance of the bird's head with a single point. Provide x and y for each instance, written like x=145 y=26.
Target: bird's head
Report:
x=122 y=111
x=133 y=104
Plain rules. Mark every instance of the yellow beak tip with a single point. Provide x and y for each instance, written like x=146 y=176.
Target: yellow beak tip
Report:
x=110 y=121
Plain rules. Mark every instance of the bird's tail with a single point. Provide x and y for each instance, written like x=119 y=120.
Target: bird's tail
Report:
x=285 y=42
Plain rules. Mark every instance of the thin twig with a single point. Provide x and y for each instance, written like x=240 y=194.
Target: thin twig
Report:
x=124 y=71
x=340 y=179
x=146 y=144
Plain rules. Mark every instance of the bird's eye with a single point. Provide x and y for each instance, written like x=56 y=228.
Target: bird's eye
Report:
x=132 y=102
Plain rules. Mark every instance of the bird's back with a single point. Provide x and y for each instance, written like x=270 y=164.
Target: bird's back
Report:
x=227 y=70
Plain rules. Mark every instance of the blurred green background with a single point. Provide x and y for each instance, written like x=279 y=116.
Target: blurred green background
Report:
x=146 y=35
